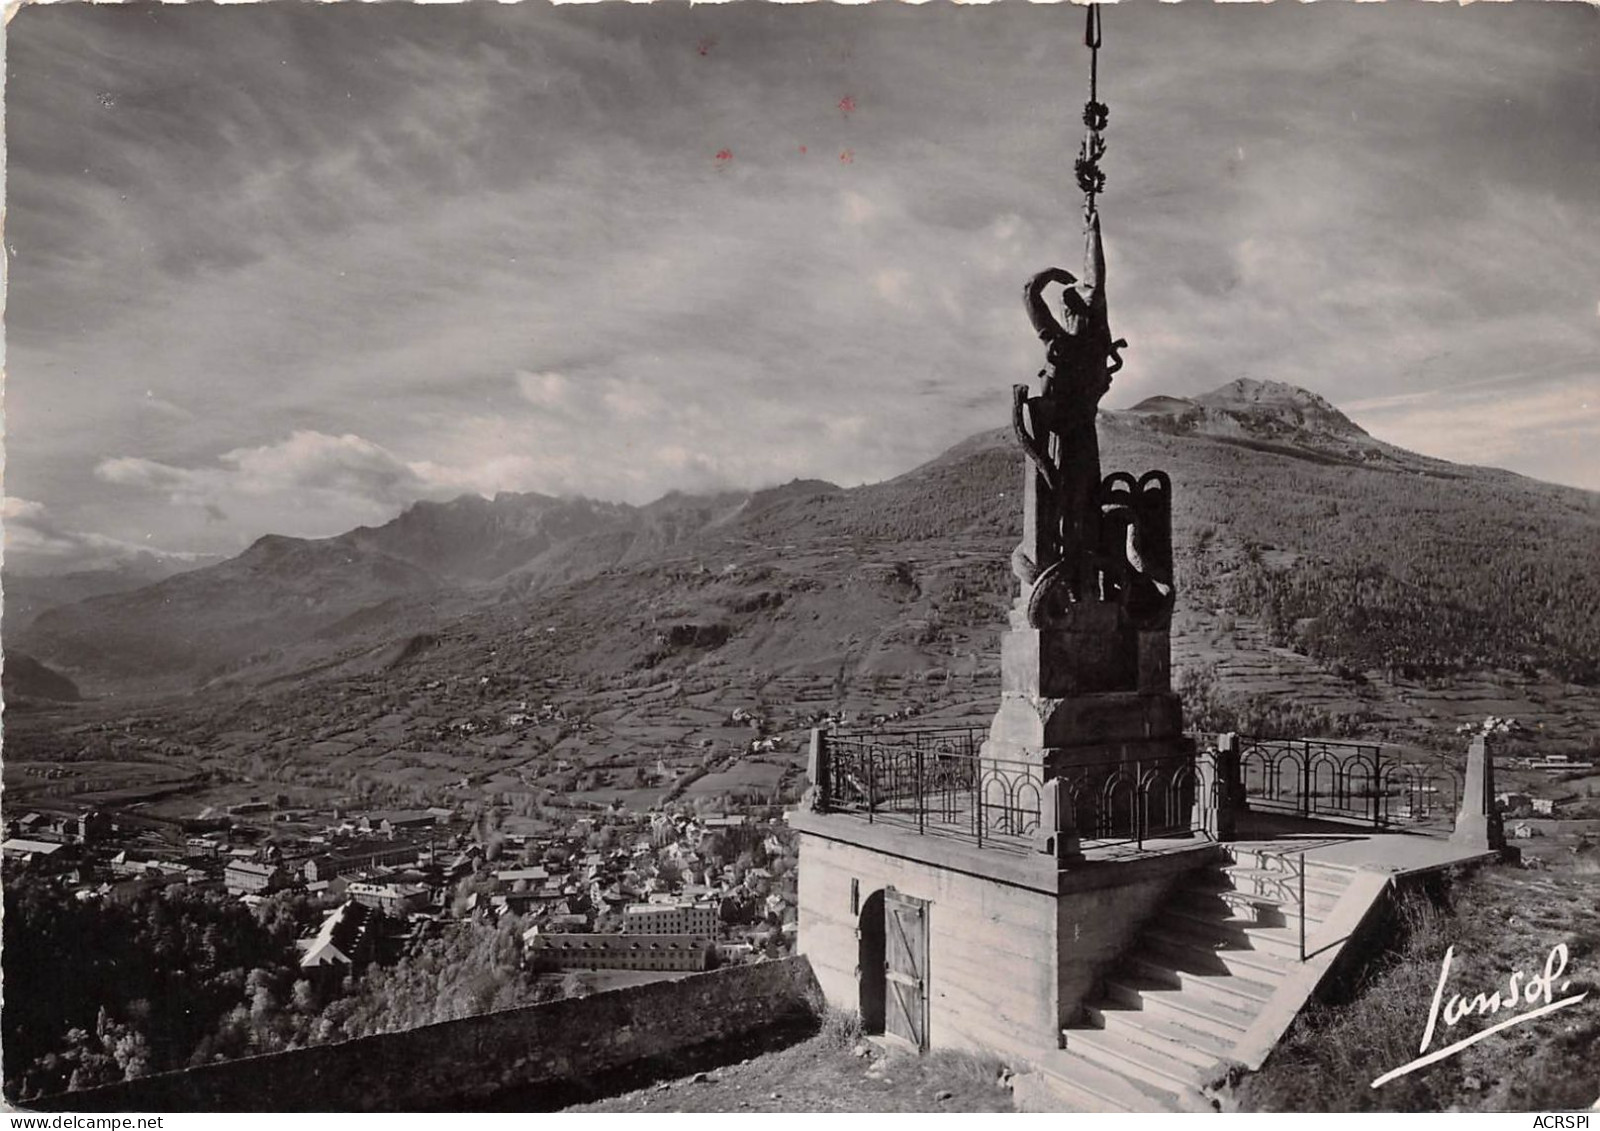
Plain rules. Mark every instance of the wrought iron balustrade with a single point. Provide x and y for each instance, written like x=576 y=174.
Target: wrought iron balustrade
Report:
x=1351 y=781
x=938 y=782
x=1134 y=801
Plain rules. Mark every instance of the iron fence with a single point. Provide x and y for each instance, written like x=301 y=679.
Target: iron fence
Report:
x=939 y=782
x=1348 y=781
x=1135 y=801
x=932 y=777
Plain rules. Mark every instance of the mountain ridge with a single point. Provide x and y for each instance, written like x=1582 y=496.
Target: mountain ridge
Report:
x=1256 y=462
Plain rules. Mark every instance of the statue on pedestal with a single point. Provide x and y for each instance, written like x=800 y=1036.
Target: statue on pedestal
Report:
x=1085 y=539
x=1086 y=699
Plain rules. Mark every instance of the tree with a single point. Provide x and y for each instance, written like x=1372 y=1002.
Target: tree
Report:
x=168 y=968
x=577 y=983
x=84 y=1064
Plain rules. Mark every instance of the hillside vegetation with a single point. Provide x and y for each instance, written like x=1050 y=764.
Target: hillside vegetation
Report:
x=1328 y=583
x=1494 y=922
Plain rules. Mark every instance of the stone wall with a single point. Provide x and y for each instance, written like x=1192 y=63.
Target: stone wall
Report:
x=990 y=981
x=471 y=1062
x=1012 y=955
x=1098 y=925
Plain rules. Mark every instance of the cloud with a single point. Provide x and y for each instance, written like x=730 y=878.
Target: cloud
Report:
x=288 y=294
x=311 y=482
x=547 y=390
x=34 y=540
x=309 y=466
x=1484 y=425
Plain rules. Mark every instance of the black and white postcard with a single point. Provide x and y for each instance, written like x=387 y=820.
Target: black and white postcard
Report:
x=760 y=557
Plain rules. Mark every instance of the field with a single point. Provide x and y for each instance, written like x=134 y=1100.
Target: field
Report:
x=93 y=781
x=525 y=745
x=745 y=779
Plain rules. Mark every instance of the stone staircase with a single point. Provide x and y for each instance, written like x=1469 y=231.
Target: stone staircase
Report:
x=1215 y=977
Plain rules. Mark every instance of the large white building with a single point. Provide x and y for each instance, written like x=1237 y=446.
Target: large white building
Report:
x=618 y=952
x=680 y=918
x=390 y=898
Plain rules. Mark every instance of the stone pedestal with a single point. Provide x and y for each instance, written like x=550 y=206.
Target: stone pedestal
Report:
x=1219 y=794
x=1094 y=689
x=1086 y=705
x=1478 y=824
x=1057 y=836
x=818 y=772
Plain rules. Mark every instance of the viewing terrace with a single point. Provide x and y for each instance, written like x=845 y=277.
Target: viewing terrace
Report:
x=936 y=782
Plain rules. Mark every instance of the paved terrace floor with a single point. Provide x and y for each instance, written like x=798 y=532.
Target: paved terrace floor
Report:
x=1395 y=853
x=1345 y=846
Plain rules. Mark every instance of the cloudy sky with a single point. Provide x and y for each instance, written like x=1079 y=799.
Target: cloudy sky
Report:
x=288 y=267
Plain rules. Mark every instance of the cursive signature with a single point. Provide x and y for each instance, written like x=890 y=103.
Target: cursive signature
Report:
x=1527 y=989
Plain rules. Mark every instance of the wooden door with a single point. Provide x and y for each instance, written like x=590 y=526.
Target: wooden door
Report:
x=906 y=968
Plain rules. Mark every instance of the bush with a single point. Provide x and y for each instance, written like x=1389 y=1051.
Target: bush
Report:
x=838 y=1028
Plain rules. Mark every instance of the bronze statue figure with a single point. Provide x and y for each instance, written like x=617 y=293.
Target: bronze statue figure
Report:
x=1056 y=429
x=1084 y=540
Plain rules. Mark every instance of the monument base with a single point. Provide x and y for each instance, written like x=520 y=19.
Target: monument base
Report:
x=1086 y=659
x=1089 y=723
x=1087 y=714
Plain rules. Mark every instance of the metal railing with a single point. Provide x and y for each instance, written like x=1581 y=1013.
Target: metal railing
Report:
x=932 y=779
x=939 y=782
x=1134 y=801
x=1349 y=781
x=1284 y=884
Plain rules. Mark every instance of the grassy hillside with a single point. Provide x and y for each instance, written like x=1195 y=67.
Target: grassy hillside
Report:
x=1497 y=921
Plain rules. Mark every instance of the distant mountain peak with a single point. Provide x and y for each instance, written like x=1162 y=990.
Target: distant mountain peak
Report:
x=1290 y=404
x=1161 y=403
x=794 y=489
x=271 y=545
x=1262 y=410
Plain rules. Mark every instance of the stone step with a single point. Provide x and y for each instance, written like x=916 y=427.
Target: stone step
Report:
x=1226 y=901
x=1317 y=871
x=1237 y=930
x=1091 y=1088
x=1167 y=1035
x=1284 y=887
x=1264 y=903
x=1204 y=956
x=1213 y=935
x=1252 y=916
x=1114 y=1052
x=1044 y=1093
x=1271 y=908
x=1276 y=852
x=1243 y=992
x=1228 y=1020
